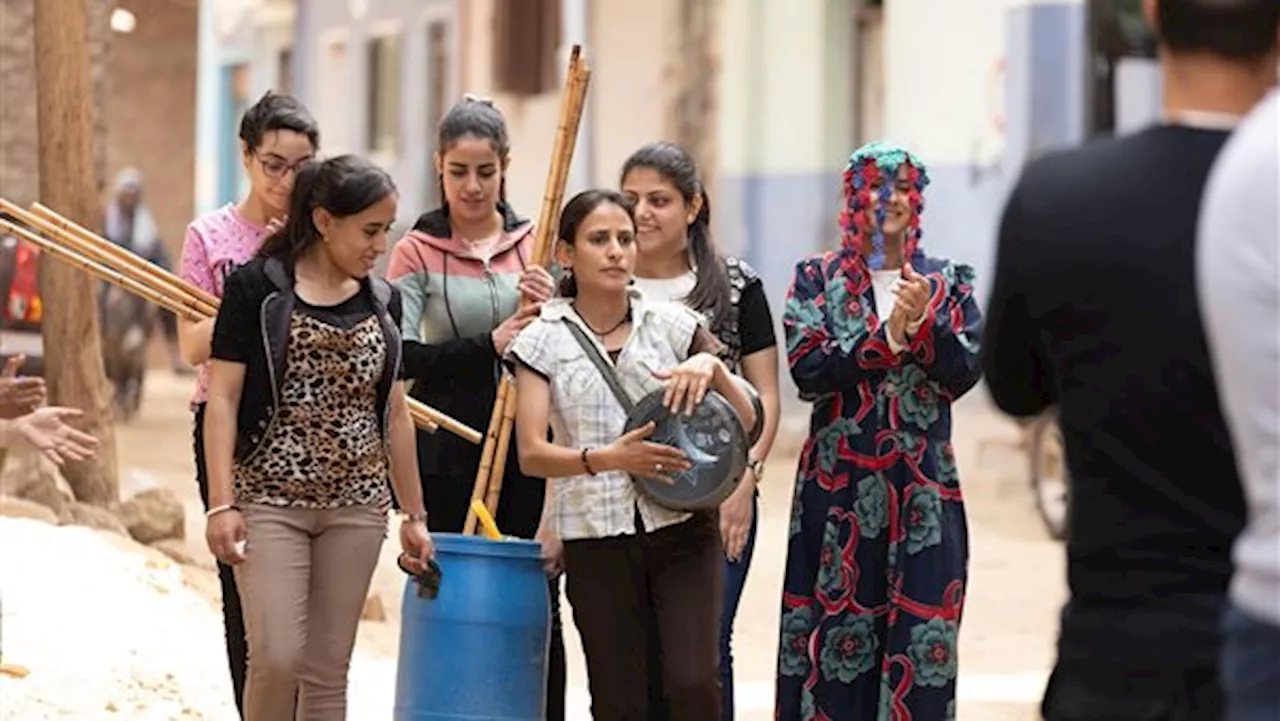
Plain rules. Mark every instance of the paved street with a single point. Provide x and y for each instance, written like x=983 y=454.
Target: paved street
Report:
x=1016 y=573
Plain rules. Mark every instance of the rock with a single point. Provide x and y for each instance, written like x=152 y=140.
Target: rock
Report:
x=175 y=549
x=82 y=514
x=373 y=609
x=22 y=508
x=29 y=475
x=153 y=515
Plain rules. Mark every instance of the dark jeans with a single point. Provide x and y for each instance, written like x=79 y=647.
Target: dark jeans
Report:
x=232 y=615
x=621 y=589
x=735 y=578
x=1250 y=667
x=1098 y=690
x=557 y=678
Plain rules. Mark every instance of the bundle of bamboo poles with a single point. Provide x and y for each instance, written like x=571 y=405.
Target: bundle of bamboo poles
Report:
x=82 y=248
x=493 y=459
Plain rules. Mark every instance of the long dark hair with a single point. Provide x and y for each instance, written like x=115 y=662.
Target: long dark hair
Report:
x=344 y=186
x=477 y=118
x=710 y=294
x=576 y=211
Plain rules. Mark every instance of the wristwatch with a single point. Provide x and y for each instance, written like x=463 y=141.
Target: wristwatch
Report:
x=412 y=517
x=756 y=467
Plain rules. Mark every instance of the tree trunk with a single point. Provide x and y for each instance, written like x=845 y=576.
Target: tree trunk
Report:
x=68 y=184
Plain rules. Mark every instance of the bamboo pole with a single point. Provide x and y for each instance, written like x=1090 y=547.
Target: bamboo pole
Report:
x=493 y=461
x=89 y=252
x=48 y=216
x=104 y=252
x=76 y=260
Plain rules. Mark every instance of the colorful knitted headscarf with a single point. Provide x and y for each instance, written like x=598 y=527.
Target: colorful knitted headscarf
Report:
x=879 y=161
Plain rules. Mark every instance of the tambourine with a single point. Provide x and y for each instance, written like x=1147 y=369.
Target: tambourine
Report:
x=712 y=438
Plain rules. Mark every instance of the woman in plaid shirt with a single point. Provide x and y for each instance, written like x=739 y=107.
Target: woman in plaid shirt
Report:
x=629 y=562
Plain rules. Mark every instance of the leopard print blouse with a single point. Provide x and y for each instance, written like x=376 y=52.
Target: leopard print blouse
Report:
x=325 y=449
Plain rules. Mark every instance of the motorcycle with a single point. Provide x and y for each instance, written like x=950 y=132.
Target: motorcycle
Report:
x=127 y=321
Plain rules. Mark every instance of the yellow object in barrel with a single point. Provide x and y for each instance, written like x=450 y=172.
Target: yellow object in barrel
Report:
x=487 y=524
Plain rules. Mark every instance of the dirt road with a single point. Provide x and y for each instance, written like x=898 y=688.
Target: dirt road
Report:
x=1016 y=573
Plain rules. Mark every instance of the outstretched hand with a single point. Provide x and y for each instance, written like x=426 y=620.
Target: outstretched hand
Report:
x=47 y=431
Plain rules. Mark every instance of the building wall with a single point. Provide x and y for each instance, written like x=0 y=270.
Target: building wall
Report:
x=146 y=80
x=337 y=93
x=151 y=111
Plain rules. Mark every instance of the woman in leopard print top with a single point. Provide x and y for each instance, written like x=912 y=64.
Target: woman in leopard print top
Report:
x=307 y=430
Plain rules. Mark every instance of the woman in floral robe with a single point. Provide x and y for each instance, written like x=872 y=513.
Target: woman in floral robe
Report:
x=881 y=338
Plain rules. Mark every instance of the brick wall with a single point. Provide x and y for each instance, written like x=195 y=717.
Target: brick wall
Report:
x=147 y=84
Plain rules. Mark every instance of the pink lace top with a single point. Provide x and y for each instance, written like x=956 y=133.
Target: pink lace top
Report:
x=215 y=245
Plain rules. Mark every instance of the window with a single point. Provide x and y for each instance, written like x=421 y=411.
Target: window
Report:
x=525 y=40
x=284 y=71
x=383 y=84
x=437 y=94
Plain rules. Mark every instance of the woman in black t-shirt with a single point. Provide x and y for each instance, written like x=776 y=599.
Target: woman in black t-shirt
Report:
x=307 y=431
x=677 y=261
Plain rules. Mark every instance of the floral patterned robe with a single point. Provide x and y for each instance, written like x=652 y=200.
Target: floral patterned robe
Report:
x=878 y=550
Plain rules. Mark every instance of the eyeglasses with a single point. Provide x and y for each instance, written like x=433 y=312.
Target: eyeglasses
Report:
x=275 y=166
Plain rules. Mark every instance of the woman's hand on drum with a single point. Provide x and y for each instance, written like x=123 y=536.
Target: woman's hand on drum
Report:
x=640 y=457
x=552 y=550
x=536 y=284
x=225 y=533
x=688 y=383
x=415 y=542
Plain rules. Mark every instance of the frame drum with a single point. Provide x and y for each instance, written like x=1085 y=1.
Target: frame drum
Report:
x=712 y=438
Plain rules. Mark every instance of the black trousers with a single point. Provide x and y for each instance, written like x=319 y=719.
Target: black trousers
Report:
x=1095 y=690
x=232 y=614
x=648 y=606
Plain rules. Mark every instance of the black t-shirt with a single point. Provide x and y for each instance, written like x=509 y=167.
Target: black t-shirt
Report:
x=1093 y=309
x=755 y=321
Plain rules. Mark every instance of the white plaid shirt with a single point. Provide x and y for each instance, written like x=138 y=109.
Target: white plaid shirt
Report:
x=585 y=413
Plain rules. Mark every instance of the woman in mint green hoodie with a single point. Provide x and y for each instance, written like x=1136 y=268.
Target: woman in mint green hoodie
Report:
x=462 y=272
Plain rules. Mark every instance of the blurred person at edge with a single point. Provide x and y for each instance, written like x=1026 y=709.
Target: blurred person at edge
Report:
x=277 y=135
x=677 y=261
x=1238 y=274
x=306 y=447
x=463 y=271
x=129 y=223
x=1093 y=310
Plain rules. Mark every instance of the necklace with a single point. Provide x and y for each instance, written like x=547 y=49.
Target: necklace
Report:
x=625 y=317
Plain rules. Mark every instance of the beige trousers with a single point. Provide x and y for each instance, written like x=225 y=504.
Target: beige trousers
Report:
x=302 y=586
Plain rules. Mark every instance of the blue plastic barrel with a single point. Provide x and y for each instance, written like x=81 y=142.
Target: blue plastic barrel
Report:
x=478 y=651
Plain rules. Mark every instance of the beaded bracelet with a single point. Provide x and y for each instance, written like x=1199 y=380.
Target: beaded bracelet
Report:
x=587 y=464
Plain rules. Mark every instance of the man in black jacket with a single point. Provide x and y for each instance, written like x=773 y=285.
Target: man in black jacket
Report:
x=1093 y=310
